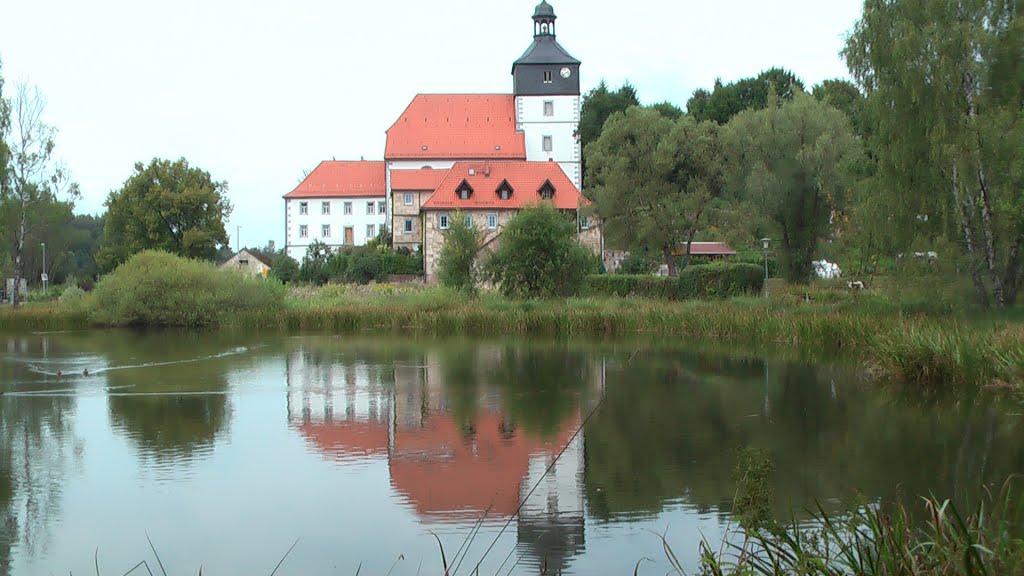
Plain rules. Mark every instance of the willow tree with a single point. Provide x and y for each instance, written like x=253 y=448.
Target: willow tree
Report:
x=790 y=163
x=945 y=87
x=652 y=179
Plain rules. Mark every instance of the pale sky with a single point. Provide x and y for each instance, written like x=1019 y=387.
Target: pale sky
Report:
x=258 y=92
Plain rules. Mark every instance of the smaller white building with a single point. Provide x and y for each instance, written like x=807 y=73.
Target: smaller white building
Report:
x=254 y=262
x=340 y=203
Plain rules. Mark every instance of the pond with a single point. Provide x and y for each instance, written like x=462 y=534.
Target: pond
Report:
x=226 y=449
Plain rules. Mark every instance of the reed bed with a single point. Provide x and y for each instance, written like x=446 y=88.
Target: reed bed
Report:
x=935 y=348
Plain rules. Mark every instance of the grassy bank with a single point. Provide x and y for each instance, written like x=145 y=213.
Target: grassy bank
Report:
x=919 y=339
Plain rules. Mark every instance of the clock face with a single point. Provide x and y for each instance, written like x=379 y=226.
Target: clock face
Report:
x=566 y=72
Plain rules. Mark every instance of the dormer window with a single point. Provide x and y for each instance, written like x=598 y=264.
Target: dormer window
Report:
x=504 y=190
x=464 y=191
x=547 y=76
x=546 y=191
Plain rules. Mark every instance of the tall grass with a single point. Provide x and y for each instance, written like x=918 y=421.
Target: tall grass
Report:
x=875 y=540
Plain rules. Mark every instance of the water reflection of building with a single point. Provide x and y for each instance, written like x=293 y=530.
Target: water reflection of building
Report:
x=446 y=465
x=343 y=410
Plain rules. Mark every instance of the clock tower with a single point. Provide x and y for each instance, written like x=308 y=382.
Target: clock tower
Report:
x=547 y=92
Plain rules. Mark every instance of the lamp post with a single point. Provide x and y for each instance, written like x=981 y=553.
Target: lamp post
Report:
x=764 y=244
x=44 y=277
x=238 y=238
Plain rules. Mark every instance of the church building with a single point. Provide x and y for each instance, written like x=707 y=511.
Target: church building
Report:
x=485 y=156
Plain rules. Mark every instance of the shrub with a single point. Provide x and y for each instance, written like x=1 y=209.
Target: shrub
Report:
x=640 y=262
x=284 y=268
x=71 y=297
x=701 y=281
x=720 y=280
x=159 y=289
x=538 y=255
x=458 y=255
x=315 y=264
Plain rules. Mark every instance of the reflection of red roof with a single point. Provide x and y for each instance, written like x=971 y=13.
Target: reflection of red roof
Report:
x=422 y=180
x=344 y=440
x=438 y=470
x=707 y=249
x=342 y=179
x=459 y=126
x=525 y=178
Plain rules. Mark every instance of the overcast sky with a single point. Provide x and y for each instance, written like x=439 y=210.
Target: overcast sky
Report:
x=258 y=92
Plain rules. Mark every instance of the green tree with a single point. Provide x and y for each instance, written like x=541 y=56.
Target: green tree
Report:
x=168 y=206
x=34 y=178
x=846 y=97
x=458 y=255
x=652 y=179
x=315 y=263
x=790 y=162
x=945 y=82
x=284 y=268
x=728 y=100
x=597 y=106
x=539 y=256
x=5 y=128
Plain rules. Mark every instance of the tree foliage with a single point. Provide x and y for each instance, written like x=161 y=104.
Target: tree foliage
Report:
x=168 y=206
x=728 y=100
x=652 y=179
x=945 y=86
x=597 y=106
x=790 y=162
x=458 y=256
x=35 y=180
x=284 y=268
x=539 y=256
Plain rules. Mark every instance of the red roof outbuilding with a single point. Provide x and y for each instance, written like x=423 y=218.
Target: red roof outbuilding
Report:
x=343 y=179
x=485 y=178
x=457 y=126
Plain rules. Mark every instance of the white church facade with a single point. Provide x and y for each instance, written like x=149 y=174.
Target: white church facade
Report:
x=413 y=192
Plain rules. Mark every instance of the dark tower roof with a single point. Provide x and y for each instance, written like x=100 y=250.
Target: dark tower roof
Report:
x=544 y=10
x=545 y=49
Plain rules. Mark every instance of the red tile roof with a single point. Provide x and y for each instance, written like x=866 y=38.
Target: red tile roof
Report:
x=417 y=180
x=343 y=179
x=457 y=126
x=347 y=440
x=526 y=179
x=706 y=249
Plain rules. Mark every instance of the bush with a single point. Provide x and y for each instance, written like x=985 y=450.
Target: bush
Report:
x=700 y=281
x=160 y=289
x=71 y=296
x=640 y=262
x=284 y=268
x=315 y=264
x=539 y=256
x=458 y=255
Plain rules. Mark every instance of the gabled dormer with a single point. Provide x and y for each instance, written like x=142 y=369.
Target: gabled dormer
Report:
x=504 y=190
x=546 y=190
x=464 y=191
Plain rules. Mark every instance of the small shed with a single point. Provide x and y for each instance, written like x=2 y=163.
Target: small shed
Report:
x=254 y=261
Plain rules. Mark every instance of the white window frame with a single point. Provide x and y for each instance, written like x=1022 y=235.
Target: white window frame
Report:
x=325 y=230
x=584 y=222
x=407 y=226
x=371 y=232
x=346 y=208
x=303 y=208
x=303 y=231
x=548 y=76
x=382 y=207
x=548 y=143
x=468 y=220
x=325 y=208
x=371 y=208
x=407 y=199
x=549 y=108
x=492 y=220
x=443 y=221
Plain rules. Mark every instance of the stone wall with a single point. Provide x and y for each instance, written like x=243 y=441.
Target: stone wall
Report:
x=400 y=238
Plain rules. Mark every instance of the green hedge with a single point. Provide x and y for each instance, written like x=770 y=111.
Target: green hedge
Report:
x=717 y=280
